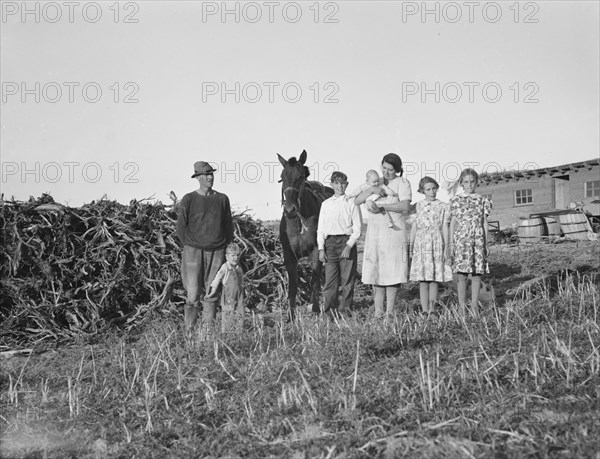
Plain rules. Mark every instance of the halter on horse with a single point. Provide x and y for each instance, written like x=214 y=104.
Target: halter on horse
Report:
x=298 y=227
x=291 y=195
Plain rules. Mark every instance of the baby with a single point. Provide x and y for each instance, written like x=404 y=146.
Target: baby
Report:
x=373 y=179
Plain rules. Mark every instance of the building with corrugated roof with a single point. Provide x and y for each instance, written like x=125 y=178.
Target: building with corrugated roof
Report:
x=519 y=194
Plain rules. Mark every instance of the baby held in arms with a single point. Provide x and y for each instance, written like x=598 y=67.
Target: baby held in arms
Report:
x=372 y=180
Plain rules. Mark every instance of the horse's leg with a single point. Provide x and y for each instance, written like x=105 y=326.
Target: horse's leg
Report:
x=315 y=281
x=291 y=266
x=292 y=271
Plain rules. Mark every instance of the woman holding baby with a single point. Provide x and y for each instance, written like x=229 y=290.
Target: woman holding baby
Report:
x=385 y=262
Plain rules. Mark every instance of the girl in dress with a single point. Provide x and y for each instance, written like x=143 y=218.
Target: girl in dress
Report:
x=468 y=238
x=428 y=238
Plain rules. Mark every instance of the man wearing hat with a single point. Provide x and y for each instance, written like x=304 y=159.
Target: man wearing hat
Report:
x=205 y=228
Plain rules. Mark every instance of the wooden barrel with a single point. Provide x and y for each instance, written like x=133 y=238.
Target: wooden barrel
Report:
x=552 y=226
x=531 y=229
x=574 y=225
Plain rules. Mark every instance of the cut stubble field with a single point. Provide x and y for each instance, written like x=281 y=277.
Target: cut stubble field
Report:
x=520 y=381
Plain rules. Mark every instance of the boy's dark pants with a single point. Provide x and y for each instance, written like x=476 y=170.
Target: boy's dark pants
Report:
x=198 y=269
x=338 y=271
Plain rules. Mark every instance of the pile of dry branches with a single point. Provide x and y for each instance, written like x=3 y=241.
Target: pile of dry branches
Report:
x=67 y=272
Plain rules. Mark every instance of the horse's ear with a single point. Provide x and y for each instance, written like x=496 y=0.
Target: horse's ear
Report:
x=282 y=160
x=302 y=159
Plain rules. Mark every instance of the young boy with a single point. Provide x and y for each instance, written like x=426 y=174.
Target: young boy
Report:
x=372 y=180
x=338 y=231
x=232 y=299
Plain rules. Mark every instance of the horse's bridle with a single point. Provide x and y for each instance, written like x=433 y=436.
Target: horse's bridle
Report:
x=299 y=190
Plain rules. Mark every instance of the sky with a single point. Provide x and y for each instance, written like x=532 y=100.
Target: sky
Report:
x=119 y=99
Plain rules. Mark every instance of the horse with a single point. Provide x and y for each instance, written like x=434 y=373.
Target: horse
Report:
x=301 y=201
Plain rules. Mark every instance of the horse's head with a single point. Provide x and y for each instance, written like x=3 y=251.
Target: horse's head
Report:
x=293 y=180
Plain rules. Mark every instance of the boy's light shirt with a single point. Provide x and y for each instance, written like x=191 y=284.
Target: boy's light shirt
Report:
x=340 y=222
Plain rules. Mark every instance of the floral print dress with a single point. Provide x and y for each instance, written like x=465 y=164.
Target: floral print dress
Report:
x=428 y=262
x=470 y=248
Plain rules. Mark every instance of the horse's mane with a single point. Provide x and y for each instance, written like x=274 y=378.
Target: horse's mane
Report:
x=318 y=190
x=315 y=188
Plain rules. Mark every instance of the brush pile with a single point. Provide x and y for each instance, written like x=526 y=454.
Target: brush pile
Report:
x=70 y=272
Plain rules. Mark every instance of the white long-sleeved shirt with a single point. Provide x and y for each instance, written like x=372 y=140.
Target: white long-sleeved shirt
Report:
x=339 y=215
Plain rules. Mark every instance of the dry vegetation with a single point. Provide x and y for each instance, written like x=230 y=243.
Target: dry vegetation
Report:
x=521 y=381
x=73 y=272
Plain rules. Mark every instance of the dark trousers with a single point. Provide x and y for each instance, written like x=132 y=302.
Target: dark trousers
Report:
x=198 y=269
x=338 y=271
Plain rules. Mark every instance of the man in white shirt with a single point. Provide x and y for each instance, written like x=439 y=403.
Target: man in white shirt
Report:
x=338 y=231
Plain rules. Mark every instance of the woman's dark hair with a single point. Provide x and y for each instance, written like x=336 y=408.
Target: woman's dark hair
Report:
x=424 y=181
x=395 y=161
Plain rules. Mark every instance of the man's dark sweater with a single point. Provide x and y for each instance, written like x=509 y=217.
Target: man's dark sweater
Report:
x=204 y=222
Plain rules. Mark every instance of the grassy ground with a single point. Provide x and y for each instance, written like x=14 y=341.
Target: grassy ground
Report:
x=520 y=381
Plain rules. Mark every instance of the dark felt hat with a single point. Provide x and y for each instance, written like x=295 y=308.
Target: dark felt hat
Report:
x=201 y=168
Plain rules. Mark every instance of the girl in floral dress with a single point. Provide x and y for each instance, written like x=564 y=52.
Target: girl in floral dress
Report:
x=468 y=238
x=428 y=238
